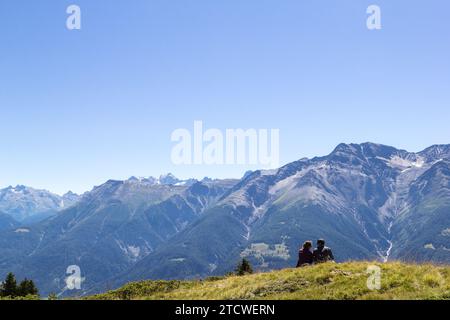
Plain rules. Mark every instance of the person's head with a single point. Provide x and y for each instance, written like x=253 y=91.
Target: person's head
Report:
x=320 y=243
x=307 y=245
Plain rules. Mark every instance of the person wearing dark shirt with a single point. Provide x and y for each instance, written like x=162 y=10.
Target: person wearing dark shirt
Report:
x=305 y=255
x=322 y=253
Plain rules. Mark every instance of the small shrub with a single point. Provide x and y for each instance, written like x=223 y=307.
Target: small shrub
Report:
x=244 y=268
x=432 y=280
x=214 y=278
x=323 y=279
x=52 y=296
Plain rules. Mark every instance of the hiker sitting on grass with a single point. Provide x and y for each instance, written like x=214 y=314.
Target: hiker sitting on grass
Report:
x=321 y=253
x=305 y=255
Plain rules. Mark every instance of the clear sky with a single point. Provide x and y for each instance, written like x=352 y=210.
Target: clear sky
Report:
x=80 y=107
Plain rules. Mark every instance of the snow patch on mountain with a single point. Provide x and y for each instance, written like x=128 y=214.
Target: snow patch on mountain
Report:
x=402 y=163
x=132 y=252
x=178 y=260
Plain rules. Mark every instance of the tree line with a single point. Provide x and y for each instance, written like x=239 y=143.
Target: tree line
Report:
x=10 y=288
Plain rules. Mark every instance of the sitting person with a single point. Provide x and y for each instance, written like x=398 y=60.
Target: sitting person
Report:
x=305 y=255
x=322 y=253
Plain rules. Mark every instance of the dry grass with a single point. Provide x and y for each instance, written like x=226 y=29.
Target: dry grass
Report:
x=326 y=281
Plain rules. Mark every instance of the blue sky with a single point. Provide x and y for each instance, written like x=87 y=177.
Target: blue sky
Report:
x=80 y=107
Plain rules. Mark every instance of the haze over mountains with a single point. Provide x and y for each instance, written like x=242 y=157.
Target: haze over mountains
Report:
x=369 y=201
x=25 y=204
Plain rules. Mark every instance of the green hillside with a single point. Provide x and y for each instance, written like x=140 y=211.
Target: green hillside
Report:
x=326 y=281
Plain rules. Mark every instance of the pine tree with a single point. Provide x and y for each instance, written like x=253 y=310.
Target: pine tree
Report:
x=244 y=268
x=9 y=287
x=32 y=289
x=27 y=287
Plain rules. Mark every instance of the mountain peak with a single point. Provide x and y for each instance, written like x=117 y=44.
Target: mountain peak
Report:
x=17 y=189
x=22 y=202
x=164 y=179
x=368 y=150
x=70 y=194
x=341 y=147
x=168 y=178
x=436 y=152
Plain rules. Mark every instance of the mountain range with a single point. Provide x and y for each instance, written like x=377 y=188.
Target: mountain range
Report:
x=26 y=205
x=369 y=201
